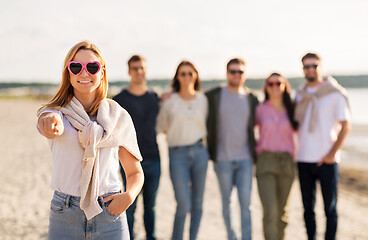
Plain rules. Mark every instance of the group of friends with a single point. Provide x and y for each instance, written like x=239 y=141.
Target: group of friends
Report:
x=88 y=135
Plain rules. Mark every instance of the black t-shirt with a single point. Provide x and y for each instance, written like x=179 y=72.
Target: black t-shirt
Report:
x=143 y=110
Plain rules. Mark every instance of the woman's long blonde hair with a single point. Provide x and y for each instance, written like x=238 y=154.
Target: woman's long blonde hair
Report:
x=65 y=92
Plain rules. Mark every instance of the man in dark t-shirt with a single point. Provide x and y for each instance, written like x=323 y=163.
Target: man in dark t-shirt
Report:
x=143 y=105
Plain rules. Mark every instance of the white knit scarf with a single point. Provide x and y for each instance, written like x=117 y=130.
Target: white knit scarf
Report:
x=114 y=128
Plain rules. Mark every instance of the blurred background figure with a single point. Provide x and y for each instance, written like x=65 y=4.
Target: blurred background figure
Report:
x=183 y=118
x=142 y=105
x=231 y=142
x=323 y=114
x=275 y=149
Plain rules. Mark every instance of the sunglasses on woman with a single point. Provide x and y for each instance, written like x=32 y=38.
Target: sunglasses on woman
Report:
x=183 y=74
x=271 y=84
x=76 y=68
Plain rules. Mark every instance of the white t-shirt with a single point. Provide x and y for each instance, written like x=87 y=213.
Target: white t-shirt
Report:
x=67 y=157
x=185 y=120
x=331 y=109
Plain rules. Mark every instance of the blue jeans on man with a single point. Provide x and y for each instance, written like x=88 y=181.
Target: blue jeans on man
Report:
x=188 y=168
x=152 y=172
x=238 y=174
x=328 y=175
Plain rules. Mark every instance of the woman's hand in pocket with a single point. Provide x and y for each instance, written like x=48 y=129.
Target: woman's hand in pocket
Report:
x=119 y=203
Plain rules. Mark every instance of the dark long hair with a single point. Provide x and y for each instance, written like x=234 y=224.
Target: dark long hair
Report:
x=175 y=82
x=286 y=99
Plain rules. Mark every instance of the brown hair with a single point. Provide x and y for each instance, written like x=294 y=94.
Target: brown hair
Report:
x=65 y=92
x=235 y=61
x=175 y=82
x=311 y=55
x=136 y=58
x=286 y=99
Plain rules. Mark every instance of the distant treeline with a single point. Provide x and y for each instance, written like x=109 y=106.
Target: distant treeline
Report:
x=19 y=84
x=357 y=81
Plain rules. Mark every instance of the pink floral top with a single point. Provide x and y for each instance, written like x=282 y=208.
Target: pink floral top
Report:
x=275 y=130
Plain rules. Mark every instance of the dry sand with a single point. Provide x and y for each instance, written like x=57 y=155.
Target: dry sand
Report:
x=25 y=193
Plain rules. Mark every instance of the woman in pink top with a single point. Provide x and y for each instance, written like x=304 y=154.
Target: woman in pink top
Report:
x=275 y=149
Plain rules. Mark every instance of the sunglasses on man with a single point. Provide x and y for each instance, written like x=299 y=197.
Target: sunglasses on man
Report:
x=233 y=72
x=310 y=66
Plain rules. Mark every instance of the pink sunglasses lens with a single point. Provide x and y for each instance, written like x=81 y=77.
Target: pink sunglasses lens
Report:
x=93 y=67
x=75 y=68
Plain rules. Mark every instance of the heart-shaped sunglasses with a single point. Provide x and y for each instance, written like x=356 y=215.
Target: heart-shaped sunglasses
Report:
x=76 y=68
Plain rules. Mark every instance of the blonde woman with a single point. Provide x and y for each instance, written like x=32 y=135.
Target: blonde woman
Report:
x=88 y=134
x=183 y=118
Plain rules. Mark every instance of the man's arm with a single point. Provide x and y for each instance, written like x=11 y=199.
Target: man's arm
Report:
x=330 y=157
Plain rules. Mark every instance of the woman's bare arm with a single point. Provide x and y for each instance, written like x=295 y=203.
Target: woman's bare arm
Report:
x=134 y=177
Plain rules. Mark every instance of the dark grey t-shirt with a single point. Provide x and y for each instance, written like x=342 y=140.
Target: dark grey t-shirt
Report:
x=232 y=143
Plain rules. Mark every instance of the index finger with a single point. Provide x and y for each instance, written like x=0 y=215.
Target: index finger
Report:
x=55 y=121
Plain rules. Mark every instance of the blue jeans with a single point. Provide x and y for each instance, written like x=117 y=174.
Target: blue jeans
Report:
x=152 y=172
x=328 y=175
x=188 y=168
x=238 y=174
x=68 y=221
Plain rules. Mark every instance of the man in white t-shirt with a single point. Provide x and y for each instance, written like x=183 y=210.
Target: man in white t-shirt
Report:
x=323 y=113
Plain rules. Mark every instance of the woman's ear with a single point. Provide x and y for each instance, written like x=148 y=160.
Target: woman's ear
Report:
x=102 y=73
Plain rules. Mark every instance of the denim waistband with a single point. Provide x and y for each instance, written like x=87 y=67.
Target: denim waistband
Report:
x=74 y=200
x=198 y=143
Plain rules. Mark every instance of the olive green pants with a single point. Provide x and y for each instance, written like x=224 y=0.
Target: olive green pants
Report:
x=275 y=175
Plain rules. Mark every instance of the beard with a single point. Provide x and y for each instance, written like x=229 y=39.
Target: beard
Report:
x=232 y=84
x=311 y=79
x=236 y=83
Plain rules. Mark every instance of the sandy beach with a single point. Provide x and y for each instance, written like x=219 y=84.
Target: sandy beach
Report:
x=25 y=174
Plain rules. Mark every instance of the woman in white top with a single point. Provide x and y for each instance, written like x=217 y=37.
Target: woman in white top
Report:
x=183 y=118
x=88 y=134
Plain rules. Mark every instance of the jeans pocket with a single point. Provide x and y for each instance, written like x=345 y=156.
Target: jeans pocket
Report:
x=205 y=152
x=288 y=165
x=110 y=213
x=57 y=207
x=266 y=164
x=173 y=151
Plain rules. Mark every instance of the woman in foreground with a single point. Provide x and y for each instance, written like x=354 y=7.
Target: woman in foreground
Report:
x=88 y=134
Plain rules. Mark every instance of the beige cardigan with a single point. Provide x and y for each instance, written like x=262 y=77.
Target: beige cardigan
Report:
x=329 y=85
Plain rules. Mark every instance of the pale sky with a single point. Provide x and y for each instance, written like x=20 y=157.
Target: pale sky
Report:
x=270 y=35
